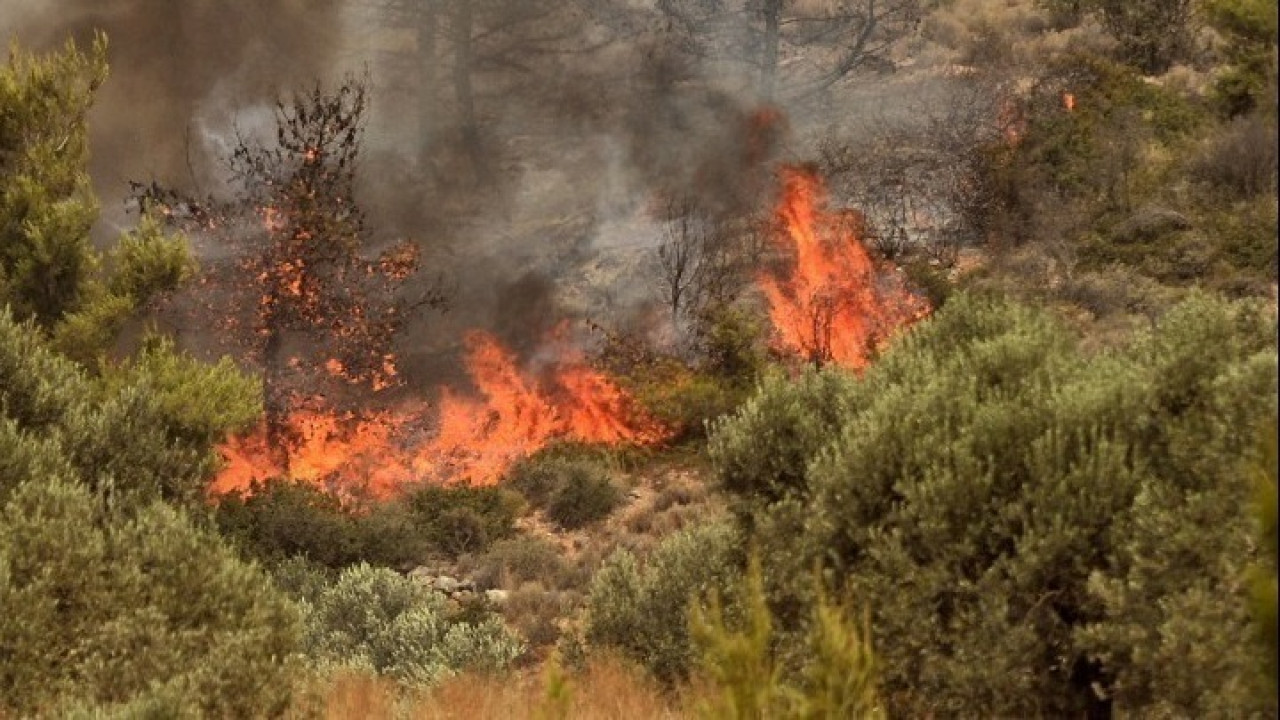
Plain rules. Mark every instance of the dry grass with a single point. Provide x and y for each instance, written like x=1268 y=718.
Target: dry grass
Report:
x=607 y=689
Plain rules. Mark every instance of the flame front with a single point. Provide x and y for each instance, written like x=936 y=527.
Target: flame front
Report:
x=323 y=447
x=834 y=304
x=479 y=437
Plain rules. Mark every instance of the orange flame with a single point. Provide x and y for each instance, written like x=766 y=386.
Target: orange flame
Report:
x=480 y=438
x=477 y=440
x=1069 y=101
x=835 y=304
x=325 y=447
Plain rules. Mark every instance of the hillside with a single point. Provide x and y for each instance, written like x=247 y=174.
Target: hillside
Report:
x=553 y=358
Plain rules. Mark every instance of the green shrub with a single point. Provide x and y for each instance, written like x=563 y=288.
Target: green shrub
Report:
x=776 y=432
x=461 y=519
x=731 y=347
x=103 y=609
x=584 y=498
x=514 y=561
x=279 y=519
x=993 y=492
x=1266 y=595
x=1248 y=81
x=839 y=677
x=574 y=491
x=685 y=402
x=124 y=432
x=931 y=280
x=638 y=608
x=375 y=619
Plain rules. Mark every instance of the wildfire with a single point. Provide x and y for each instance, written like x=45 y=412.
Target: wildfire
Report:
x=512 y=415
x=835 y=304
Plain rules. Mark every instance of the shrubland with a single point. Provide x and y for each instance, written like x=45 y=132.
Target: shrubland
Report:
x=1047 y=498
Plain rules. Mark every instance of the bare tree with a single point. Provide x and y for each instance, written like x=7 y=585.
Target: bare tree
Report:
x=703 y=262
x=484 y=47
x=921 y=185
x=794 y=47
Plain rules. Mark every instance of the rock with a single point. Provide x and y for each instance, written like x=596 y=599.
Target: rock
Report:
x=495 y=596
x=445 y=584
x=1150 y=223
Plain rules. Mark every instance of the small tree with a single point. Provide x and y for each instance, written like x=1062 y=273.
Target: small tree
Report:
x=49 y=269
x=302 y=240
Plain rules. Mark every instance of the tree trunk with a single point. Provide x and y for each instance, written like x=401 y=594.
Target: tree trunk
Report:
x=274 y=400
x=772 y=11
x=428 y=27
x=463 y=93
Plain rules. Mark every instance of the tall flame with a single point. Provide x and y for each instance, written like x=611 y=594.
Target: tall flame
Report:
x=511 y=416
x=834 y=304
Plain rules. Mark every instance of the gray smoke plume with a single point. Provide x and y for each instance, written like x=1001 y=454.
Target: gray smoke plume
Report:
x=583 y=113
x=181 y=70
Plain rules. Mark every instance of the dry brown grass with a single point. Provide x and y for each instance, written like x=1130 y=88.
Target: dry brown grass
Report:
x=607 y=689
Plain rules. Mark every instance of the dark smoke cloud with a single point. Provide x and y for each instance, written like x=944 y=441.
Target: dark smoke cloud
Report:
x=179 y=68
x=582 y=143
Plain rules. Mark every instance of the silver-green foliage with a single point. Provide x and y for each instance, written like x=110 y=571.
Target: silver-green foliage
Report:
x=145 y=429
x=378 y=620
x=639 y=609
x=1038 y=529
x=103 y=609
x=113 y=599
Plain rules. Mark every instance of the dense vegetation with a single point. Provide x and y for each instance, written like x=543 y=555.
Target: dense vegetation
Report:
x=1055 y=496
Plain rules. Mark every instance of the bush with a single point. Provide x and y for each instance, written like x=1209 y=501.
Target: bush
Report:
x=583 y=499
x=374 y=619
x=536 y=613
x=1242 y=158
x=839 y=679
x=104 y=610
x=573 y=491
x=639 y=609
x=993 y=492
x=776 y=432
x=514 y=561
x=685 y=401
x=463 y=519
x=279 y=519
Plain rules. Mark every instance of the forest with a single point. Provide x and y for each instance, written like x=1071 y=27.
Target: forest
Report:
x=735 y=359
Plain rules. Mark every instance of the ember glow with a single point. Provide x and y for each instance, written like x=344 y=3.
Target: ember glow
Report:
x=512 y=414
x=833 y=303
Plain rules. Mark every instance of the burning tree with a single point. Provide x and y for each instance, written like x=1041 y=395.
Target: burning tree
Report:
x=306 y=303
x=833 y=304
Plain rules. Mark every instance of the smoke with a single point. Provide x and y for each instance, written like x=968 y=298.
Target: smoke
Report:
x=181 y=72
x=585 y=115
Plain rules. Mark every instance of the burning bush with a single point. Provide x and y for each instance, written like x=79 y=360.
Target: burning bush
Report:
x=833 y=304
